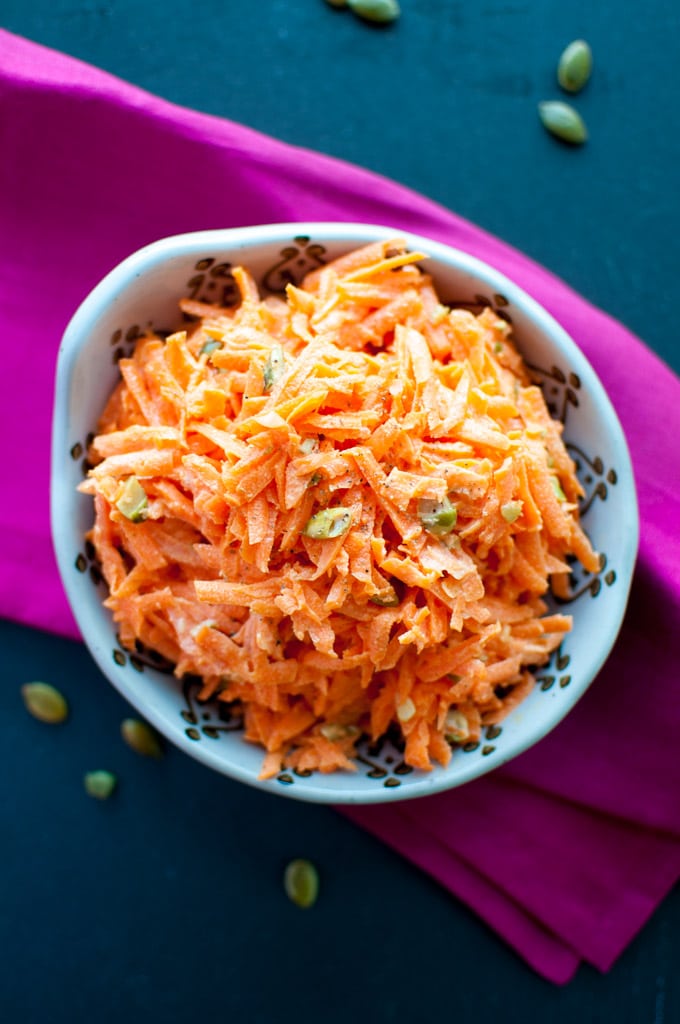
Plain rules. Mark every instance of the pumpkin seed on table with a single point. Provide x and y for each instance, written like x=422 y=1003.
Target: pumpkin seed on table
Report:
x=99 y=784
x=575 y=66
x=141 y=738
x=382 y=12
x=45 y=702
x=562 y=121
x=301 y=882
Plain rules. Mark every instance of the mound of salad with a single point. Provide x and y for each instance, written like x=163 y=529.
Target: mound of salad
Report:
x=342 y=510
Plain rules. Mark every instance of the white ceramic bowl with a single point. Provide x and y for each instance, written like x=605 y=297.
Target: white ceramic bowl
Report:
x=143 y=291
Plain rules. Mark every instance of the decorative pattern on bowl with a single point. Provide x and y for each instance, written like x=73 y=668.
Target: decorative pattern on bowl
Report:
x=212 y=731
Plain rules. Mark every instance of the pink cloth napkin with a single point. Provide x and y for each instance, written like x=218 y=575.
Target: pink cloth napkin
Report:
x=566 y=851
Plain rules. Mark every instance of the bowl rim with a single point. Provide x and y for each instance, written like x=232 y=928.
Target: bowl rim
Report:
x=235 y=240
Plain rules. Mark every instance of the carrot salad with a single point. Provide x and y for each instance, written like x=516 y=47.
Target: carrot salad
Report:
x=342 y=511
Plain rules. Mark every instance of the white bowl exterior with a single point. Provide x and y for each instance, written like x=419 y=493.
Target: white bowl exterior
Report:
x=144 y=290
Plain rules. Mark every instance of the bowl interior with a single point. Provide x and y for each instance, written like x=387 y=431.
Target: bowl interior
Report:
x=144 y=292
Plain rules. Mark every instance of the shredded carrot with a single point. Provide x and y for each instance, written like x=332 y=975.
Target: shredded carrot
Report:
x=291 y=456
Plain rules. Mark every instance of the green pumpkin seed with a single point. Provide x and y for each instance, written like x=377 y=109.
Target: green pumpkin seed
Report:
x=301 y=882
x=141 y=738
x=563 y=121
x=406 y=710
x=382 y=12
x=99 y=784
x=575 y=66
x=389 y=599
x=437 y=517
x=274 y=367
x=333 y=731
x=456 y=728
x=439 y=314
x=133 y=502
x=45 y=702
x=511 y=511
x=329 y=522
x=557 y=488
x=210 y=346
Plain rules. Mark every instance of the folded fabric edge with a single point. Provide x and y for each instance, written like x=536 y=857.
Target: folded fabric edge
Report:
x=548 y=955
x=42 y=67
x=33 y=554
x=649 y=878
x=511 y=774
x=662 y=880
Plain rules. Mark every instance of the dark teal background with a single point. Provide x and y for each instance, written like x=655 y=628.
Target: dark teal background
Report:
x=165 y=904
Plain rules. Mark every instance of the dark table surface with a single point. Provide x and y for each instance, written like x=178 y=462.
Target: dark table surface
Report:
x=165 y=903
